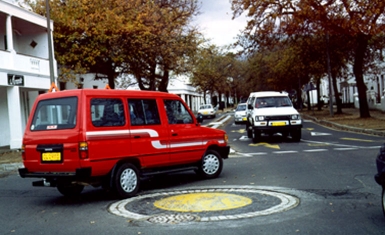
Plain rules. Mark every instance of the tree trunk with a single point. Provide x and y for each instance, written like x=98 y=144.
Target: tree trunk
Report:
x=308 y=100
x=336 y=93
x=164 y=82
x=111 y=79
x=362 y=43
x=319 y=103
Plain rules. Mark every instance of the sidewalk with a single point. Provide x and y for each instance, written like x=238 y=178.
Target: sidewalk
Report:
x=349 y=120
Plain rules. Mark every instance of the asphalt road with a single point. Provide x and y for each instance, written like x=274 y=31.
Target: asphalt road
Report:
x=325 y=181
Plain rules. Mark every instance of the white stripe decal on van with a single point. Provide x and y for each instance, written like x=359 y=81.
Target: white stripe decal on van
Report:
x=155 y=143
x=108 y=133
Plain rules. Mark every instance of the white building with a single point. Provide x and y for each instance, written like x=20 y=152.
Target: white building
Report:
x=24 y=68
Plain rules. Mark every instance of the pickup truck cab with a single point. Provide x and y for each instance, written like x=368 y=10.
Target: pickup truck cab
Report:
x=115 y=138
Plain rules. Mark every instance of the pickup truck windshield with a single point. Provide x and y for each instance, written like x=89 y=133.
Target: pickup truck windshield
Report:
x=267 y=102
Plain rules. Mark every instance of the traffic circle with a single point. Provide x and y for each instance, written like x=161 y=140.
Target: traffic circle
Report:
x=206 y=204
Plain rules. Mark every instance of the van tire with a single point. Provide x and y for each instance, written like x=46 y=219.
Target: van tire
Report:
x=126 y=180
x=211 y=165
x=70 y=190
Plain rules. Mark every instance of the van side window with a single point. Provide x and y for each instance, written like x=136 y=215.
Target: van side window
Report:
x=177 y=112
x=143 y=112
x=107 y=112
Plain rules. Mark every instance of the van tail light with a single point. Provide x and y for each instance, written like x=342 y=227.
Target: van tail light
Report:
x=83 y=150
x=23 y=152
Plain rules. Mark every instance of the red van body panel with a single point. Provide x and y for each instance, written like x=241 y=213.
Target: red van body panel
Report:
x=91 y=132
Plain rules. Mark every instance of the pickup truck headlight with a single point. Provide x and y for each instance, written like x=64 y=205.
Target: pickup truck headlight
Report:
x=259 y=118
x=295 y=117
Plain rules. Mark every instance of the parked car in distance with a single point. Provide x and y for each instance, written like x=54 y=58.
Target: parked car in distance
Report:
x=380 y=176
x=114 y=139
x=240 y=116
x=207 y=110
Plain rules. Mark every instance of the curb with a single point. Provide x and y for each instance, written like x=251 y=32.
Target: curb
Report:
x=344 y=127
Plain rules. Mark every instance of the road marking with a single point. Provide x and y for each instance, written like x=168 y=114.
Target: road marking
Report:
x=259 y=153
x=354 y=139
x=319 y=144
x=319 y=134
x=283 y=152
x=267 y=145
x=202 y=202
x=315 y=150
x=341 y=149
x=240 y=131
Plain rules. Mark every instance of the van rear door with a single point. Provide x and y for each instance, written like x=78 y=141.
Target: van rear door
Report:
x=51 y=138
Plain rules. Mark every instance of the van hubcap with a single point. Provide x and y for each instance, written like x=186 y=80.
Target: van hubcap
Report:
x=210 y=164
x=128 y=180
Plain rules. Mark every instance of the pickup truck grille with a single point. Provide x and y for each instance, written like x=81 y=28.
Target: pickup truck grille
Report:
x=284 y=117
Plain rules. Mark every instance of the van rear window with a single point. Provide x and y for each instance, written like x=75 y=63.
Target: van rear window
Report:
x=55 y=114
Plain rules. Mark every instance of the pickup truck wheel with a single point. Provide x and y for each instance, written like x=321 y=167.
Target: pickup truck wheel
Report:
x=296 y=135
x=383 y=200
x=70 y=190
x=127 y=180
x=211 y=165
x=249 y=131
x=256 y=136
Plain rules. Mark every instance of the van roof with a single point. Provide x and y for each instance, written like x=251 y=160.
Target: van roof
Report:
x=267 y=94
x=107 y=92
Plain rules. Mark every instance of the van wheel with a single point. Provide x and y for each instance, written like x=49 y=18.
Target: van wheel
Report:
x=127 y=180
x=211 y=165
x=383 y=200
x=256 y=136
x=70 y=190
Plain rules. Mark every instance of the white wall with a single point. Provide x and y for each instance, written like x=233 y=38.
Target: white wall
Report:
x=4 y=123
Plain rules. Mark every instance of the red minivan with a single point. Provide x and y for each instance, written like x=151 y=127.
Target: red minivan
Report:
x=115 y=138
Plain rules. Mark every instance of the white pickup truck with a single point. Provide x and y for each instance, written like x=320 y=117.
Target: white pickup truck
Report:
x=270 y=112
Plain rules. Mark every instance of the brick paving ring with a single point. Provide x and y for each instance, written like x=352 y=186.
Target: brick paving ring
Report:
x=204 y=204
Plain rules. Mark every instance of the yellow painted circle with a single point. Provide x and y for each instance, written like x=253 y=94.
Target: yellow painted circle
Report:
x=200 y=202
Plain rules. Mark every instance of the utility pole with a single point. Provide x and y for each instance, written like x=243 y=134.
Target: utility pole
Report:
x=50 y=46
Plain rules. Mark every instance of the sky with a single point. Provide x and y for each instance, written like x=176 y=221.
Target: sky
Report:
x=216 y=24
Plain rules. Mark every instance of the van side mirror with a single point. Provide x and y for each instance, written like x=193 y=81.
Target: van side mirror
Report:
x=200 y=118
x=249 y=106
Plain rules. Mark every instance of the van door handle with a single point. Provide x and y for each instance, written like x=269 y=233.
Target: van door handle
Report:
x=136 y=136
x=174 y=134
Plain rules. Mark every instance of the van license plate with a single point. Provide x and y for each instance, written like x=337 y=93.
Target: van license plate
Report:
x=278 y=123
x=51 y=157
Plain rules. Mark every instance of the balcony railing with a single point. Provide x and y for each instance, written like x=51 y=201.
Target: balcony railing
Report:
x=24 y=63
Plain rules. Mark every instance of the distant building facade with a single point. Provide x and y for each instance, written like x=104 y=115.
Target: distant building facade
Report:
x=24 y=68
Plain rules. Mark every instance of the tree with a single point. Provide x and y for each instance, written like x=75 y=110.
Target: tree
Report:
x=215 y=71
x=361 y=19
x=114 y=37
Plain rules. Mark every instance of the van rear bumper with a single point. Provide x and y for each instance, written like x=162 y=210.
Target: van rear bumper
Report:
x=80 y=174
